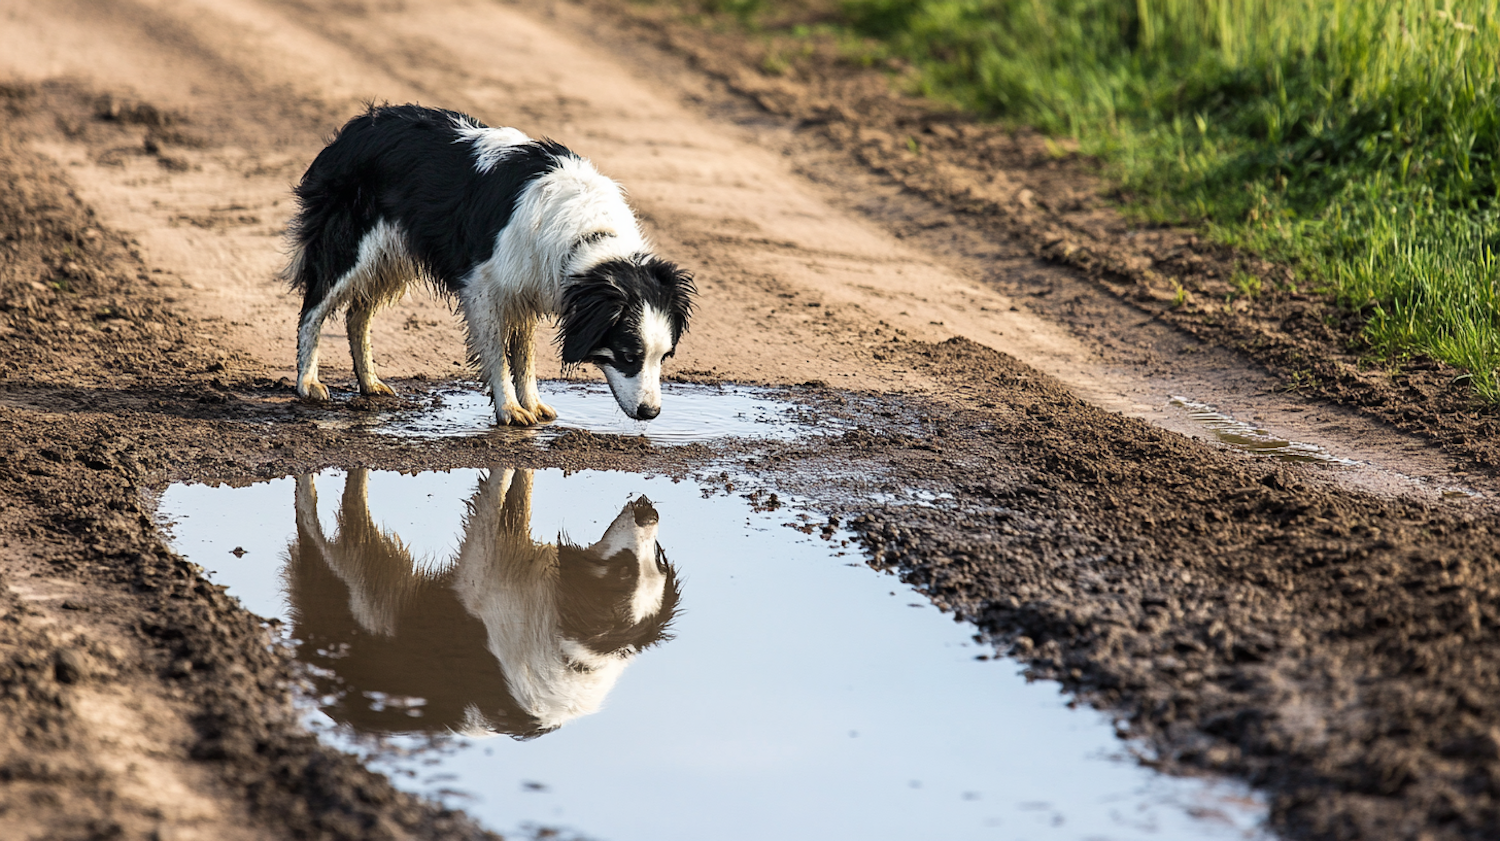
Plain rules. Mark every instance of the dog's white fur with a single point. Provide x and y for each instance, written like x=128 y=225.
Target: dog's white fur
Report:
x=507 y=295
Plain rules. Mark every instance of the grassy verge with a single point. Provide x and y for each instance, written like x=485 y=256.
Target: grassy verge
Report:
x=1353 y=139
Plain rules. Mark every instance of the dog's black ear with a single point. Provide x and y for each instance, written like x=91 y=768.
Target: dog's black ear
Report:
x=592 y=303
x=594 y=609
x=680 y=290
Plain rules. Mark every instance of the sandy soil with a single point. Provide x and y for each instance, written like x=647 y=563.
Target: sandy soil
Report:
x=1328 y=634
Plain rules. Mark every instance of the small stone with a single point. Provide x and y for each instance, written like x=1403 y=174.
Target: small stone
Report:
x=68 y=666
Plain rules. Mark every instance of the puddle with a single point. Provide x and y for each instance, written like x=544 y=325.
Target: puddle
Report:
x=795 y=694
x=689 y=413
x=1252 y=439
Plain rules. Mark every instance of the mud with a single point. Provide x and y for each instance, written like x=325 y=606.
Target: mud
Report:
x=1334 y=648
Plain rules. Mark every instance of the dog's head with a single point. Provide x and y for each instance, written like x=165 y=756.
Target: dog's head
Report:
x=626 y=316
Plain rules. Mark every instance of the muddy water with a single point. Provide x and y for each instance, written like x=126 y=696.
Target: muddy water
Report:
x=689 y=413
x=1252 y=439
x=623 y=657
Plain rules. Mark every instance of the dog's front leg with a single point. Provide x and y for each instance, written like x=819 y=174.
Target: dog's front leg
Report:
x=515 y=513
x=508 y=408
x=490 y=324
x=521 y=349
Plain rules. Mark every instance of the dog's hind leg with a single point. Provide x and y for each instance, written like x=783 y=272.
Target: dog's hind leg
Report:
x=309 y=332
x=326 y=271
x=300 y=275
x=521 y=348
x=361 y=313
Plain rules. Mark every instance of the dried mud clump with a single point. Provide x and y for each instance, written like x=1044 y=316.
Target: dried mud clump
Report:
x=583 y=441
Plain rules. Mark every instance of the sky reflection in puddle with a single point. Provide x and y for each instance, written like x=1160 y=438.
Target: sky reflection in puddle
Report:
x=689 y=413
x=797 y=694
x=1252 y=439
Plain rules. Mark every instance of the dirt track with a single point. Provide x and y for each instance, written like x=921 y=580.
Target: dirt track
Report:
x=1336 y=648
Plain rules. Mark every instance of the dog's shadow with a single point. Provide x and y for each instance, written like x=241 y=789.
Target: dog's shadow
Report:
x=513 y=636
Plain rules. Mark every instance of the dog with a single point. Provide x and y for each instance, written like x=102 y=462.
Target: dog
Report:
x=513 y=229
x=512 y=636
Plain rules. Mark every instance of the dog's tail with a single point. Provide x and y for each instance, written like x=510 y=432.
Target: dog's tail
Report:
x=335 y=209
x=294 y=274
x=324 y=237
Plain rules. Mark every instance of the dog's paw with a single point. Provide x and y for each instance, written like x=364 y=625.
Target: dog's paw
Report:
x=511 y=414
x=543 y=412
x=313 y=392
x=377 y=389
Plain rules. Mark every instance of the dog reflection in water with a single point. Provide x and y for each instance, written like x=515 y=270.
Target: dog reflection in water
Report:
x=514 y=636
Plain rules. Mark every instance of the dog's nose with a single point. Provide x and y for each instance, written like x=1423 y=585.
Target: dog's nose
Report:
x=645 y=512
x=644 y=412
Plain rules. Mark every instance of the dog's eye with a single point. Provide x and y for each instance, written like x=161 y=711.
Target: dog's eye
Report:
x=630 y=359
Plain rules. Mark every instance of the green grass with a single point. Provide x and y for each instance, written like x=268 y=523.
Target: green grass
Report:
x=1353 y=139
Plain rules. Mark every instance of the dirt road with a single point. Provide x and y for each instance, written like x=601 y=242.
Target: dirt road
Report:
x=1336 y=647
x=797 y=279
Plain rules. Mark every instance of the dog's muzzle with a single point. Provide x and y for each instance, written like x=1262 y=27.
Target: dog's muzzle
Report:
x=645 y=512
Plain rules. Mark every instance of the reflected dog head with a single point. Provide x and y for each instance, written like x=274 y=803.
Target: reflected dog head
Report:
x=618 y=596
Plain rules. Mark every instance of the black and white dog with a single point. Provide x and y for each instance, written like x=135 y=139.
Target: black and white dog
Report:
x=515 y=229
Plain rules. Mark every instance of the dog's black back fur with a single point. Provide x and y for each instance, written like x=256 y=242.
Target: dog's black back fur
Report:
x=405 y=172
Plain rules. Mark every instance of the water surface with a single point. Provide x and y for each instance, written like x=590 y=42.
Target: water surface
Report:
x=1253 y=439
x=795 y=694
x=689 y=413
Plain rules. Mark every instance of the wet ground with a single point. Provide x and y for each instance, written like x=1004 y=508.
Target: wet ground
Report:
x=791 y=686
x=946 y=393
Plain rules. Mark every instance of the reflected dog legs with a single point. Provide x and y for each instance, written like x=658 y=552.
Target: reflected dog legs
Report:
x=373 y=564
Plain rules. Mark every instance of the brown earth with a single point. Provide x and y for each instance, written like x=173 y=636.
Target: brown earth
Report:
x=1336 y=648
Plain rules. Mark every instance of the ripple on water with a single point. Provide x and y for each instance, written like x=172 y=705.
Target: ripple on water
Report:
x=667 y=662
x=690 y=413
